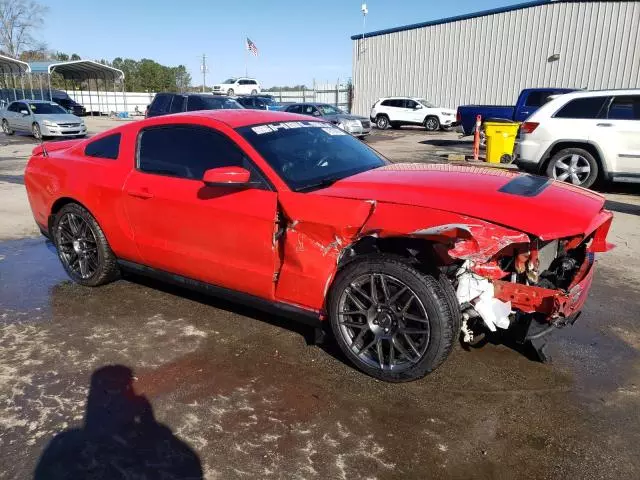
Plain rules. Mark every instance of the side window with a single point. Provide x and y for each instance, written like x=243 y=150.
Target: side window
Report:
x=625 y=108
x=537 y=98
x=587 y=107
x=187 y=151
x=251 y=82
x=23 y=106
x=195 y=103
x=105 y=147
x=387 y=103
x=13 y=107
x=242 y=82
x=160 y=103
x=177 y=104
x=410 y=104
x=260 y=103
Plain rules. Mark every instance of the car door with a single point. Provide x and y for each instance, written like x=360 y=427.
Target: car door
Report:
x=414 y=111
x=623 y=124
x=311 y=110
x=10 y=114
x=23 y=121
x=243 y=88
x=215 y=234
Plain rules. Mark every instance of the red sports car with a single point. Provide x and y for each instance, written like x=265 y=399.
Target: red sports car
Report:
x=293 y=214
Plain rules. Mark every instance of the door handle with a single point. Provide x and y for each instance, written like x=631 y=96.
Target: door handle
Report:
x=604 y=124
x=144 y=194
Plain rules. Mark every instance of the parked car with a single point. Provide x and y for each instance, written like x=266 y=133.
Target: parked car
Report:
x=291 y=214
x=582 y=136
x=70 y=105
x=398 y=111
x=41 y=119
x=238 y=86
x=166 y=103
x=354 y=124
x=259 y=102
x=529 y=100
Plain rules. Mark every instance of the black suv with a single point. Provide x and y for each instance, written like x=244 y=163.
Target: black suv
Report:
x=166 y=103
x=259 y=102
x=70 y=105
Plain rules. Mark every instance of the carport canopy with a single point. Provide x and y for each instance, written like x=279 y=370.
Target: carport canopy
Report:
x=79 y=70
x=13 y=66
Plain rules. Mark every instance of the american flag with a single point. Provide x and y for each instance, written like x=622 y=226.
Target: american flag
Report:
x=252 y=47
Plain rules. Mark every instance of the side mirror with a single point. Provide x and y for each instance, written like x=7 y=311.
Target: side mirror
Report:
x=226 y=176
x=417 y=107
x=24 y=112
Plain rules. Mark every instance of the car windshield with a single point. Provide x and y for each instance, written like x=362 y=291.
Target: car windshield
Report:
x=212 y=103
x=426 y=103
x=309 y=155
x=229 y=80
x=46 y=108
x=329 y=110
x=268 y=101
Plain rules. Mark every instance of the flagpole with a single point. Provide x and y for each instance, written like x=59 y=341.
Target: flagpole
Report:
x=246 y=57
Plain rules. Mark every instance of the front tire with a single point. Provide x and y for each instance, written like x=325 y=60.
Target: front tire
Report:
x=35 y=131
x=431 y=123
x=392 y=321
x=382 y=122
x=6 y=128
x=230 y=92
x=254 y=92
x=573 y=165
x=82 y=247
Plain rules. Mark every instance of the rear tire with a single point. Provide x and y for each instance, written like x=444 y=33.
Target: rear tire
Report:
x=6 y=129
x=254 y=92
x=382 y=122
x=573 y=165
x=82 y=247
x=408 y=326
x=431 y=123
x=230 y=92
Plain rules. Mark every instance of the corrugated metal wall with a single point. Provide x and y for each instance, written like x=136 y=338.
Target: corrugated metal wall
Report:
x=490 y=59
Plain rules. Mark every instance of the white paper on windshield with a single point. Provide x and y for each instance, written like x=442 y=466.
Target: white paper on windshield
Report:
x=274 y=127
x=334 y=131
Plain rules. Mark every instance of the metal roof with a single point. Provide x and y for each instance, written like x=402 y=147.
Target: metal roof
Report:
x=511 y=8
x=78 y=70
x=13 y=66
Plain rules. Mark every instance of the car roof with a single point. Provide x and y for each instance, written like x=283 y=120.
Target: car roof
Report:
x=315 y=104
x=599 y=93
x=243 y=118
x=402 y=98
x=28 y=100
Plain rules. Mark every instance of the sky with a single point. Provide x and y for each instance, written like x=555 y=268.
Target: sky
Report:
x=298 y=41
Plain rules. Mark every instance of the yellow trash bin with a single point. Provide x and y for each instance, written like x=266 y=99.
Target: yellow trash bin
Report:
x=501 y=139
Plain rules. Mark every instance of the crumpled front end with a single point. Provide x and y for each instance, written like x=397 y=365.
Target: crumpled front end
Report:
x=539 y=284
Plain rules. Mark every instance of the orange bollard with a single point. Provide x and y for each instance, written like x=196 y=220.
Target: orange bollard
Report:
x=476 y=139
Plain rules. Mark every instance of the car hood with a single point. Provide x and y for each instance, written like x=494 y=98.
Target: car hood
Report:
x=59 y=117
x=344 y=116
x=535 y=205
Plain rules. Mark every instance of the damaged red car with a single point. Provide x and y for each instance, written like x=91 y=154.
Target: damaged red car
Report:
x=294 y=215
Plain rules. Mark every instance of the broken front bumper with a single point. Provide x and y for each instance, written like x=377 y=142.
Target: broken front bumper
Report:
x=551 y=303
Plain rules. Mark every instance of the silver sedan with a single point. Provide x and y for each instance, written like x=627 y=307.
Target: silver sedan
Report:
x=41 y=119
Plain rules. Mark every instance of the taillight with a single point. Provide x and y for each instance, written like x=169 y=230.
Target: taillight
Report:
x=458 y=116
x=528 y=127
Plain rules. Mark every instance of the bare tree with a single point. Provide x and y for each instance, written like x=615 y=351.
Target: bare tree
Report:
x=19 y=19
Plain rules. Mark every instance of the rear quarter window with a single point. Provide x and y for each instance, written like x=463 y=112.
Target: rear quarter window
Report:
x=587 y=107
x=160 y=103
x=106 y=147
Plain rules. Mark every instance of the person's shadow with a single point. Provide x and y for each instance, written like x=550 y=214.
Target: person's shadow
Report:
x=120 y=439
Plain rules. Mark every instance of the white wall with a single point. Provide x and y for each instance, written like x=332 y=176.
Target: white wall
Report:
x=107 y=102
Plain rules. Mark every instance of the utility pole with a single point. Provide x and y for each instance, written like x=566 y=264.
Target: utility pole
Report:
x=203 y=69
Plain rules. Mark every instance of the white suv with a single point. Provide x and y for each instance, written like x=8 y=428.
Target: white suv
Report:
x=398 y=111
x=238 y=86
x=582 y=136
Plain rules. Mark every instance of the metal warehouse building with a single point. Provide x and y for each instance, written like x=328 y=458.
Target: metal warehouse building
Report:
x=488 y=57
